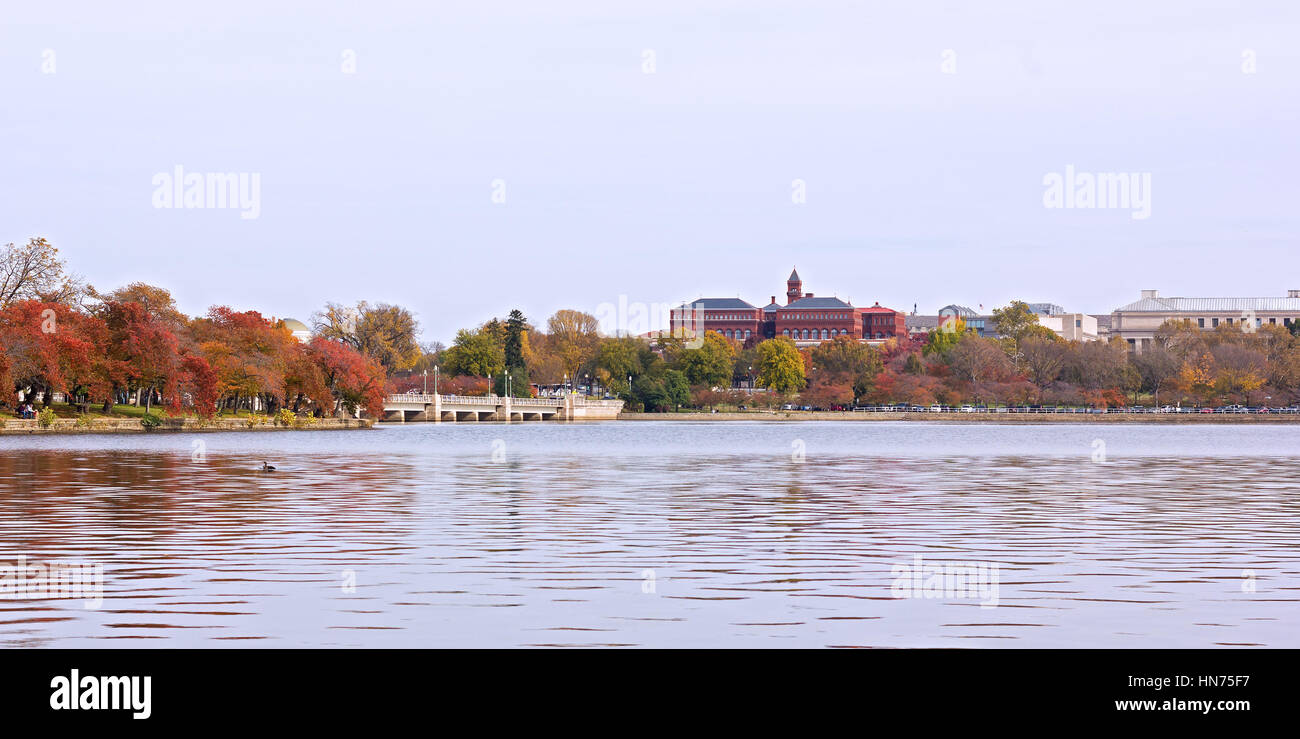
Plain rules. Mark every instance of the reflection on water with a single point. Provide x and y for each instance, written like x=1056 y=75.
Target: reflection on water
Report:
x=659 y=534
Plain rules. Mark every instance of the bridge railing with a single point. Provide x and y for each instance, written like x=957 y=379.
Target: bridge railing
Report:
x=409 y=398
x=470 y=400
x=495 y=400
x=536 y=402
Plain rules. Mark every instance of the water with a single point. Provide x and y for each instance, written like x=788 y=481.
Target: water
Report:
x=661 y=534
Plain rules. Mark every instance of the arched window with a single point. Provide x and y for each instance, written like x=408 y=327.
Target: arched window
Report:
x=805 y=333
x=785 y=332
x=826 y=334
x=746 y=334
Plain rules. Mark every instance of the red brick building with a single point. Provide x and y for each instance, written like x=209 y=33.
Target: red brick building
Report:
x=805 y=318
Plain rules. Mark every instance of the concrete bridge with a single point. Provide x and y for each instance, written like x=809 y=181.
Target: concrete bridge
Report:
x=438 y=407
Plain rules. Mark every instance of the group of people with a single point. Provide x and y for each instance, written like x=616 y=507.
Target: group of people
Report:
x=26 y=411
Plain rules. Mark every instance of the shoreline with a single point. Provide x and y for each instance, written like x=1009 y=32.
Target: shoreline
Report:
x=70 y=427
x=961 y=418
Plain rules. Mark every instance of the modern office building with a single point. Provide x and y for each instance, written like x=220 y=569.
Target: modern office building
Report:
x=1071 y=326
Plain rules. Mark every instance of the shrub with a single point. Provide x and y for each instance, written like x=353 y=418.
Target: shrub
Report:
x=45 y=418
x=286 y=418
x=85 y=420
x=150 y=421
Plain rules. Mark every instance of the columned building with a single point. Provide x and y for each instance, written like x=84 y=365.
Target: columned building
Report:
x=1136 y=323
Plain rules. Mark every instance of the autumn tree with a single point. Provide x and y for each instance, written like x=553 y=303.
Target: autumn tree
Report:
x=846 y=362
x=573 y=338
x=940 y=342
x=711 y=364
x=34 y=271
x=618 y=359
x=46 y=347
x=389 y=333
x=780 y=368
x=156 y=301
x=355 y=380
x=1157 y=365
x=978 y=360
x=1043 y=360
x=477 y=353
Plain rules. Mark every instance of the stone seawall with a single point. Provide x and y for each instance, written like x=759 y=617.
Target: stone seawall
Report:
x=14 y=426
x=1008 y=418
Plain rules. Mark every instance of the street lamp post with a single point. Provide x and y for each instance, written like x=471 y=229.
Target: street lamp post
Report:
x=426 y=382
x=435 y=379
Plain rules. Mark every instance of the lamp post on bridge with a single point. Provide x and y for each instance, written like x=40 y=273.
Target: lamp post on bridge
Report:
x=435 y=379
x=426 y=382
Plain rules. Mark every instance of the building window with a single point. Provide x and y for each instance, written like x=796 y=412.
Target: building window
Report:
x=785 y=332
x=1200 y=323
x=1214 y=322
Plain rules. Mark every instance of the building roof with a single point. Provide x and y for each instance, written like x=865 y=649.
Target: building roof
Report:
x=1210 y=305
x=294 y=324
x=794 y=276
x=877 y=308
x=822 y=303
x=717 y=304
x=771 y=307
x=959 y=310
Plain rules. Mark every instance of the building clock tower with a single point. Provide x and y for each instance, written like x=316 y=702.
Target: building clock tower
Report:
x=793 y=287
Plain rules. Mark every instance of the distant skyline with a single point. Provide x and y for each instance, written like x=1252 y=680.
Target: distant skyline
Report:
x=464 y=161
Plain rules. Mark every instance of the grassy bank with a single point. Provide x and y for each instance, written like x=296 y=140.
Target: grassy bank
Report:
x=86 y=424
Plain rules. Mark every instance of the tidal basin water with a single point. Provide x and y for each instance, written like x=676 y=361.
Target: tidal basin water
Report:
x=687 y=534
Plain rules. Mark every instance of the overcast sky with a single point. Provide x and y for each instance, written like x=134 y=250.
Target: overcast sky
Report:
x=923 y=132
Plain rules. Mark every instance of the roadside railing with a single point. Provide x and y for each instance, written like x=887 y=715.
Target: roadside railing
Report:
x=1056 y=410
